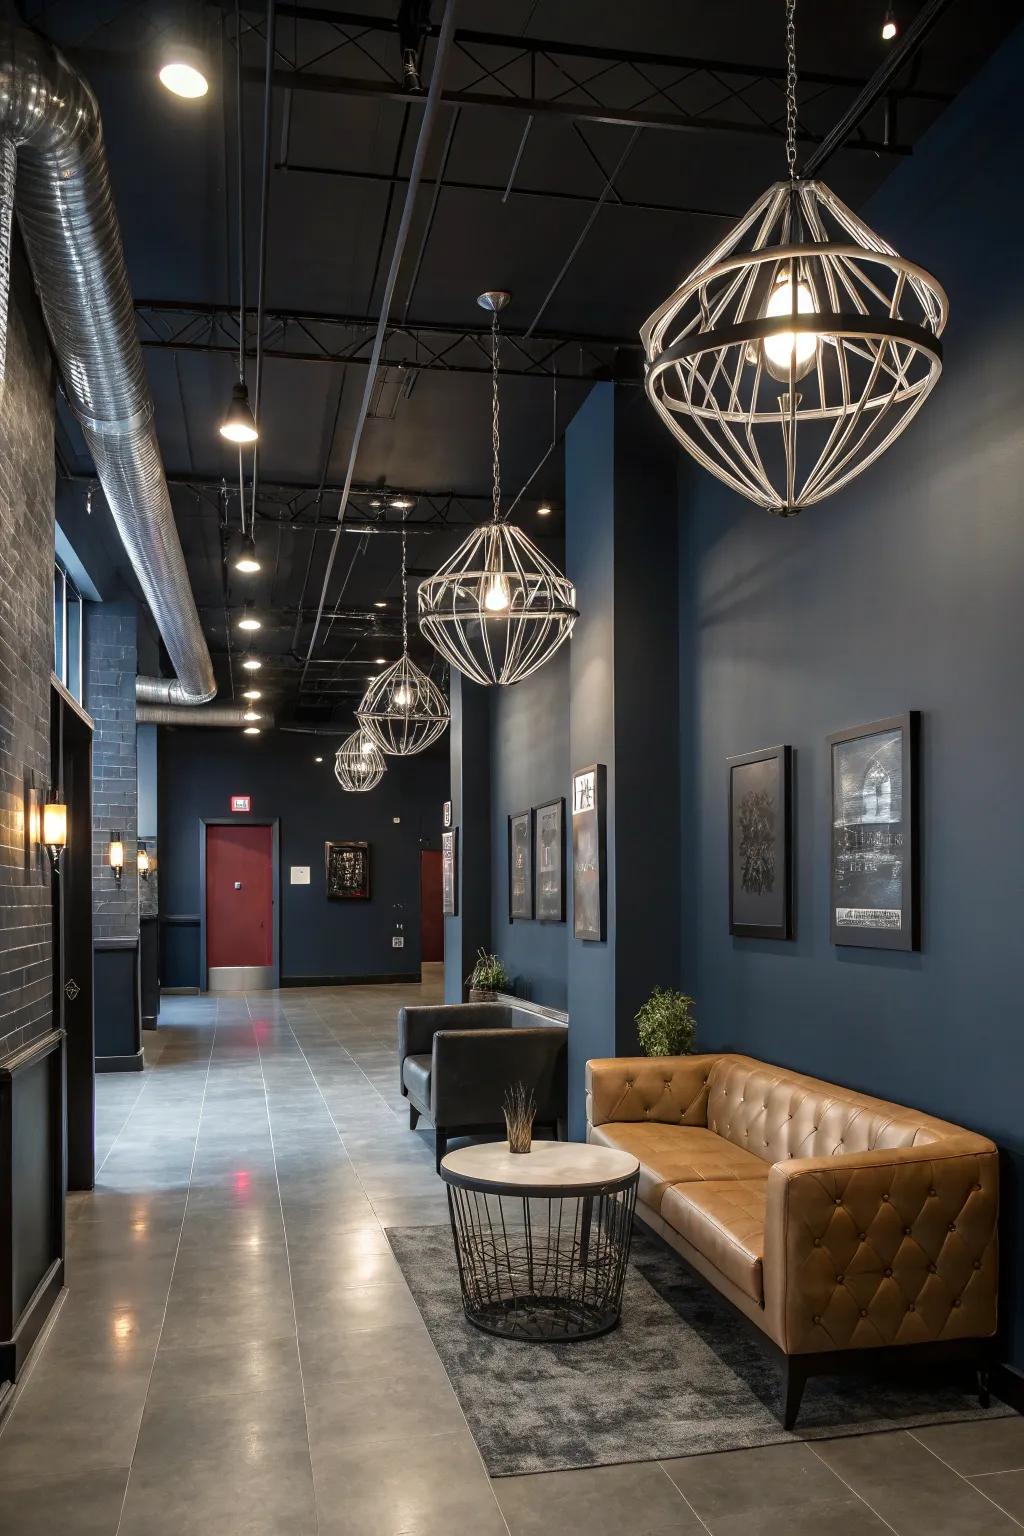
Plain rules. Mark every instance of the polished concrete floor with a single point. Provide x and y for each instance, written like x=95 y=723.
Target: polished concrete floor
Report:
x=237 y=1353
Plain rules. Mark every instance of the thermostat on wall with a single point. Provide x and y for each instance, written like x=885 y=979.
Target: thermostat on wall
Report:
x=300 y=874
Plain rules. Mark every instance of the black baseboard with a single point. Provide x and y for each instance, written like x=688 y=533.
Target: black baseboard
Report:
x=1008 y=1384
x=14 y=1351
x=349 y=981
x=133 y=1063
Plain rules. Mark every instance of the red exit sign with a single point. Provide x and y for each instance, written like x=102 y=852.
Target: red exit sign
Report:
x=241 y=803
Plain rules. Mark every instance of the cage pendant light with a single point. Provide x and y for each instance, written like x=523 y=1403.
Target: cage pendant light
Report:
x=801 y=346
x=359 y=763
x=497 y=609
x=403 y=710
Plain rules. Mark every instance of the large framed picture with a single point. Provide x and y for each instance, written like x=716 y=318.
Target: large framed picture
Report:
x=450 y=872
x=760 y=844
x=348 y=871
x=520 y=865
x=874 y=843
x=549 y=858
x=589 y=891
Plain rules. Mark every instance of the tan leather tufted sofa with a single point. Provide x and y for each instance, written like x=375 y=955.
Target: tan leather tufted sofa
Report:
x=834 y=1222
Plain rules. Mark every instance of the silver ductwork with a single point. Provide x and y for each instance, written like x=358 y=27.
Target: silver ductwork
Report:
x=206 y=714
x=66 y=211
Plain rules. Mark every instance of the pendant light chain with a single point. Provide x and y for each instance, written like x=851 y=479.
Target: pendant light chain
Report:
x=495 y=424
x=791 y=88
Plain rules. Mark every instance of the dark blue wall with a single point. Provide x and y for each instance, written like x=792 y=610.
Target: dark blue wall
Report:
x=200 y=770
x=529 y=765
x=904 y=591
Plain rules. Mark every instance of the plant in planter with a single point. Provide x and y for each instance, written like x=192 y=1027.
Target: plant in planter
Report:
x=666 y=1024
x=487 y=978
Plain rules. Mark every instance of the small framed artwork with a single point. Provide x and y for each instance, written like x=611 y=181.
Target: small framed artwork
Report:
x=450 y=872
x=348 y=871
x=520 y=865
x=549 y=859
x=873 y=876
x=760 y=844
x=589 y=888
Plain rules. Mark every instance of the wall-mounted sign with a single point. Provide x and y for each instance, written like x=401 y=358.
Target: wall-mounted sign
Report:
x=446 y=814
x=300 y=874
x=450 y=872
x=241 y=803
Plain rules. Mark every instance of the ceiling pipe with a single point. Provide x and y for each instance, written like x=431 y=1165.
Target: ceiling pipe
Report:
x=66 y=211
x=206 y=714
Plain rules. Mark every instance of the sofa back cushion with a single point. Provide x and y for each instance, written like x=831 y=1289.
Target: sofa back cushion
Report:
x=777 y=1114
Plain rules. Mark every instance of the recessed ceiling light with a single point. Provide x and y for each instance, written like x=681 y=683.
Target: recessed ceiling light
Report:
x=544 y=511
x=252 y=730
x=251 y=714
x=252 y=664
x=184 y=73
x=380 y=661
x=380 y=605
x=318 y=759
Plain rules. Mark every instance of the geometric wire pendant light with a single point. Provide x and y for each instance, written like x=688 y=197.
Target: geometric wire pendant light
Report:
x=799 y=348
x=403 y=710
x=359 y=763
x=498 y=608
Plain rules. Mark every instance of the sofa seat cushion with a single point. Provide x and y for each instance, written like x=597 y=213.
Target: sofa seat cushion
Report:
x=724 y=1221
x=416 y=1077
x=677 y=1154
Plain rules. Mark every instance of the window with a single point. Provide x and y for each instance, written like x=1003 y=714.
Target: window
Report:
x=67 y=631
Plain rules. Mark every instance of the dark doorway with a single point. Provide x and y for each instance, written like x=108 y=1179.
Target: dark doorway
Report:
x=431 y=918
x=239 y=890
x=71 y=773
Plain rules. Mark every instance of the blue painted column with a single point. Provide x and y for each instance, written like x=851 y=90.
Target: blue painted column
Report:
x=621 y=550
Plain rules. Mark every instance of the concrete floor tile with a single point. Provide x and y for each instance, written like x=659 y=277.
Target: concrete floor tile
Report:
x=601 y=1501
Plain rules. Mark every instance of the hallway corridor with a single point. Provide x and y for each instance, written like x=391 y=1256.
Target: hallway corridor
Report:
x=229 y=1281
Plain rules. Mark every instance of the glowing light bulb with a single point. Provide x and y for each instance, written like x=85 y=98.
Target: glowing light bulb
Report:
x=800 y=347
x=252 y=664
x=496 y=598
x=402 y=697
x=252 y=693
x=251 y=714
x=183 y=79
x=889 y=26
x=366 y=746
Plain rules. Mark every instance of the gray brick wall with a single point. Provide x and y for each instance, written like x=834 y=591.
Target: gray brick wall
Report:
x=111 y=662
x=26 y=651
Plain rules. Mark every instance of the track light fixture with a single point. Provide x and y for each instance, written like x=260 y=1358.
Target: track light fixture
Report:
x=247 y=561
x=251 y=664
x=800 y=347
x=890 y=29
x=249 y=621
x=239 y=425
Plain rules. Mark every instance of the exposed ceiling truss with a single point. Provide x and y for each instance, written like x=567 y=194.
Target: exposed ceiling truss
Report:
x=298 y=336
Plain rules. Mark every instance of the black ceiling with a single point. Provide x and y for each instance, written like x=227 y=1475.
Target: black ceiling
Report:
x=708 y=142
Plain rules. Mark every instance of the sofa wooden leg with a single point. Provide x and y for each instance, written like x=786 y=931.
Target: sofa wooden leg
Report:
x=440 y=1148
x=414 y=1116
x=793 y=1380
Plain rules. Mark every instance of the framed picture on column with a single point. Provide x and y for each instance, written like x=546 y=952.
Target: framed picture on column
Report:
x=589 y=880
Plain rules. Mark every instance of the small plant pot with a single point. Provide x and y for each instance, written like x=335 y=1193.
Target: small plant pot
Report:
x=482 y=995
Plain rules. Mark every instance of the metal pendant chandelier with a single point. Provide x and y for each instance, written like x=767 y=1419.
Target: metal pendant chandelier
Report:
x=799 y=348
x=403 y=711
x=358 y=763
x=497 y=609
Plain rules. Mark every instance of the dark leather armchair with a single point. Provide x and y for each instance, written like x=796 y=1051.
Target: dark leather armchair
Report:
x=456 y=1062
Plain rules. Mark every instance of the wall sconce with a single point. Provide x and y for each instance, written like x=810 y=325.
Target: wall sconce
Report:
x=143 y=862
x=115 y=856
x=55 y=829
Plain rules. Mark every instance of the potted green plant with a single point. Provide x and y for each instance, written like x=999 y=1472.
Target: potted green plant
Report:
x=487 y=978
x=666 y=1024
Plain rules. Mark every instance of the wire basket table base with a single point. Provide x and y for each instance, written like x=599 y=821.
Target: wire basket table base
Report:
x=543 y=1268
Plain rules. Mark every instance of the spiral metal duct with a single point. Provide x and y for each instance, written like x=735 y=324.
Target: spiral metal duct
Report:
x=67 y=217
x=206 y=714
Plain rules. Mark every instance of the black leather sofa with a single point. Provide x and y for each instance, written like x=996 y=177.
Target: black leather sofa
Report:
x=456 y=1062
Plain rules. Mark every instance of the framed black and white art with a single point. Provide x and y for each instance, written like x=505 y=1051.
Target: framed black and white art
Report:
x=549 y=860
x=874 y=842
x=760 y=844
x=520 y=865
x=348 y=871
x=589 y=891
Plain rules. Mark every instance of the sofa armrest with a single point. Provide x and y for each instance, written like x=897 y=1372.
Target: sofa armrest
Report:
x=471 y=1071
x=878 y=1248
x=671 y=1089
x=417 y=1026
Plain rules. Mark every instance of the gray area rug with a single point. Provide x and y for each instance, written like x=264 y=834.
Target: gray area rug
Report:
x=680 y=1376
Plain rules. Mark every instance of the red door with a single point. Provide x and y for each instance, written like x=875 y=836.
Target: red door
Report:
x=239 y=896
x=431 y=918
